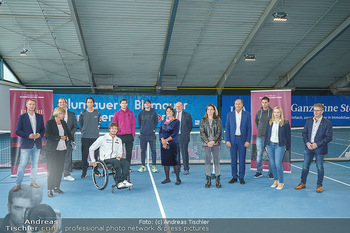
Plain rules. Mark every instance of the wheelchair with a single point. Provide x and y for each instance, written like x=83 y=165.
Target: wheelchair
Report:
x=101 y=173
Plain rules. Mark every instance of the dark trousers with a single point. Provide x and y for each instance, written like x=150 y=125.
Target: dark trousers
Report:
x=55 y=163
x=68 y=161
x=183 y=148
x=237 y=146
x=85 y=145
x=128 y=140
x=144 y=140
x=121 y=166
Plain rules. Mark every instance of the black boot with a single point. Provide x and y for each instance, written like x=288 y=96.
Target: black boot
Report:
x=208 y=184
x=218 y=185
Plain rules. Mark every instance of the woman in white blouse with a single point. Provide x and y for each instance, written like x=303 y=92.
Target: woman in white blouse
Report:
x=57 y=137
x=277 y=141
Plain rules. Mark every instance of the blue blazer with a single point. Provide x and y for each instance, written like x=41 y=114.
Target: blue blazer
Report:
x=284 y=134
x=246 y=127
x=24 y=128
x=323 y=136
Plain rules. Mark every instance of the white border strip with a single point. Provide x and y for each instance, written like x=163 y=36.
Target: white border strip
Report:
x=325 y=177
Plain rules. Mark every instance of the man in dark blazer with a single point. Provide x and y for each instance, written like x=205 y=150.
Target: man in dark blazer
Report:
x=71 y=120
x=317 y=133
x=238 y=139
x=30 y=127
x=184 y=135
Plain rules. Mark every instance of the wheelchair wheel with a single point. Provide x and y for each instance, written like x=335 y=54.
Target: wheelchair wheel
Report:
x=100 y=175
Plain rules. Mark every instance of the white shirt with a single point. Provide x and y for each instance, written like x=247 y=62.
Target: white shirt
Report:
x=62 y=143
x=315 y=126
x=66 y=116
x=180 y=115
x=33 y=122
x=274 y=131
x=109 y=147
x=238 y=122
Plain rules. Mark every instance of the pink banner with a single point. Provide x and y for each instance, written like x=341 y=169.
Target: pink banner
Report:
x=277 y=98
x=44 y=107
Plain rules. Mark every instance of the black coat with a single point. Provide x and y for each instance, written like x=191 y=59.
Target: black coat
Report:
x=52 y=135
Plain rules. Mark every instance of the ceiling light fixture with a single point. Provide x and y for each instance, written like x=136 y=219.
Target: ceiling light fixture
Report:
x=249 y=57
x=280 y=16
x=24 y=52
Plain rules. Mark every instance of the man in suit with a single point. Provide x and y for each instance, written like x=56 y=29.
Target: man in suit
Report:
x=238 y=134
x=71 y=120
x=317 y=133
x=30 y=127
x=184 y=135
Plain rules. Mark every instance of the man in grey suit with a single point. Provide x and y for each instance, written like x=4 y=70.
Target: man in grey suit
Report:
x=71 y=121
x=184 y=135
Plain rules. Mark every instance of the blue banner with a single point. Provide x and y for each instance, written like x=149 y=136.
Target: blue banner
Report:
x=337 y=108
x=109 y=104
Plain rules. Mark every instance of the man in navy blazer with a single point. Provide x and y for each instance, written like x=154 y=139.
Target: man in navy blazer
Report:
x=184 y=135
x=317 y=133
x=30 y=127
x=238 y=134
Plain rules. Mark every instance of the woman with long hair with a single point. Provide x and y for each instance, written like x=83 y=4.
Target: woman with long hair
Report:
x=277 y=141
x=210 y=132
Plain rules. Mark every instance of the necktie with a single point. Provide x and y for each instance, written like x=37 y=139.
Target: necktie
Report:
x=177 y=116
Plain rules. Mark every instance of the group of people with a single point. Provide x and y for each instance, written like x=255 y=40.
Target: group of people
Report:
x=274 y=136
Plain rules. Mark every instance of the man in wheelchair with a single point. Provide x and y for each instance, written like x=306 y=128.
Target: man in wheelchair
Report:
x=111 y=151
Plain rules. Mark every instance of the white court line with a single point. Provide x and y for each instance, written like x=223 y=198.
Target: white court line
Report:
x=156 y=192
x=338 y=164
x=325 y=176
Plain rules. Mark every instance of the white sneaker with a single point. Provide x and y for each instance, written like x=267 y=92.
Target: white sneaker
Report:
x=142 y=169
x=69 y=178
x=121 y=185
x=154 y=169
x=127 y=183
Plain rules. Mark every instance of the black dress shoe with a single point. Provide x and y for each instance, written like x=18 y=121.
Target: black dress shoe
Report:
x=49 y=193
x=178 y=182
x=241 y=180
x=57 y=190
x=233 y=180
x=166 y=181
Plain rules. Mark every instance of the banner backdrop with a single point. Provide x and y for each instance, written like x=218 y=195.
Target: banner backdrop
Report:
x=277 y=98
x=109 y=104
x=228 y=105
x=18 y=106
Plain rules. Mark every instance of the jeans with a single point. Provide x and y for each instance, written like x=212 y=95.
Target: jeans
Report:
x=215 y=151
x=259 y=155
x=308 y=156
x=276 y=154
x=34 y=158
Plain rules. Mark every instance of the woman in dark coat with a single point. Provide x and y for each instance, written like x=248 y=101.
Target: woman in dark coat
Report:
x=168 y=132
x=57 y=137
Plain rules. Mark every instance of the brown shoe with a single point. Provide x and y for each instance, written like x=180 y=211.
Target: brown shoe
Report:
x=16 y=188
x=319 y=189
x=34 y=185
x=301 y=186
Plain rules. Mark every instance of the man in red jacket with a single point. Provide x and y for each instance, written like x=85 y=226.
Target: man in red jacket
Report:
x=126 y=121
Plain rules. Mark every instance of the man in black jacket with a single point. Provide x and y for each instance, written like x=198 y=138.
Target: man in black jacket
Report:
x=148 y=120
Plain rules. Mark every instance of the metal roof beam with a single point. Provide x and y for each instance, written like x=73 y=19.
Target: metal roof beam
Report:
x=251 y=36
x=285 y=80
x=76 y=21
x=167 y=44
x=340 y=84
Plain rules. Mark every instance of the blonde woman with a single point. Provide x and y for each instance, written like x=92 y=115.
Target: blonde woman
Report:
x=277 y=141
x=57 y=137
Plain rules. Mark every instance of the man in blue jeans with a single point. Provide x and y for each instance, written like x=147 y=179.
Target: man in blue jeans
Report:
x=30 y=127
x=262 y=117
x=317 y=133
